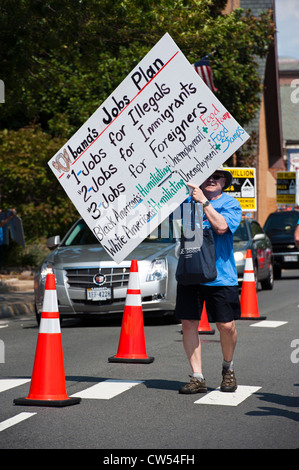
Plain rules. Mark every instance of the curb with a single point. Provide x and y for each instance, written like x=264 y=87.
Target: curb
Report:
x=16 y=298
x=16 y=310
x=11 y=285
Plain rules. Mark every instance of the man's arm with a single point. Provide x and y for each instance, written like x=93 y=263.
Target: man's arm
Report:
x=217 y=221
x=5 y=221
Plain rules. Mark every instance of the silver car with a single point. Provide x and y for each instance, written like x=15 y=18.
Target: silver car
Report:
x=89 y=282
x=250 y=235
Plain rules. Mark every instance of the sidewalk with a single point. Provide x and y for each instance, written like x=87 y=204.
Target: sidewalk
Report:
x=16 y=298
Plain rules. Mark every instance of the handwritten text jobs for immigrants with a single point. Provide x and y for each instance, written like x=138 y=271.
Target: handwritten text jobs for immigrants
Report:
x=128 y=167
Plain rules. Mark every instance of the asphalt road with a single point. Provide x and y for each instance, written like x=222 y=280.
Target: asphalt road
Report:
x=137 y=406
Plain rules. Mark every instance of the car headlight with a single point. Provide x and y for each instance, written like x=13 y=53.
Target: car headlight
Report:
x=239 y=255
x=46 y=268
x=158 y=270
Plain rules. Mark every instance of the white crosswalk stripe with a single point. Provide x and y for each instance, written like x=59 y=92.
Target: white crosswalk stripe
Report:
x=110 y=388
x=101 y=391
x=216 y=397
x=269 y=324
x=15 y=420
x=6 y=384
x=107 y=389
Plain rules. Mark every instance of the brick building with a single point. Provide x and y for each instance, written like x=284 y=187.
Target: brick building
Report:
x=267 y=123
x=289 y=94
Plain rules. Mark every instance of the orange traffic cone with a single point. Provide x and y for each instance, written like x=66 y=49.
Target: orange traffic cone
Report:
x=204 y=325
x=249 y=304
x=48 y=380
x=131 y=346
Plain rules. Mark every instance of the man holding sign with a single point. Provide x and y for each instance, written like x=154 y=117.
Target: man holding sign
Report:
x=127 y=168
x=130 y=164
x=223 y=214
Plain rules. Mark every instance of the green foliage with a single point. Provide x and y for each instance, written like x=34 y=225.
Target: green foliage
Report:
x=27 y=182
x=65 y=57
x=61 y=59
x=15 y=256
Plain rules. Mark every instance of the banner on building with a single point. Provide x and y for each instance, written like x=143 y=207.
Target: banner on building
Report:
x=293 y=159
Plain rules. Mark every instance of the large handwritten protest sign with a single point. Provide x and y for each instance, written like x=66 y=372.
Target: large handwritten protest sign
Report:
x=127 y=168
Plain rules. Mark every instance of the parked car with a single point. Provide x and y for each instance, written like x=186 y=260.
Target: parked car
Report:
x=250 y=235
x=280 y=227
x=89 y=282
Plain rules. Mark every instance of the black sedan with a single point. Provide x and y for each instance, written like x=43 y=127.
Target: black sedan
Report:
x=280 y=227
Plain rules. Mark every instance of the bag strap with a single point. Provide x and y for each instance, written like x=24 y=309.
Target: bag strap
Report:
x=191 y=217
x=199 y=215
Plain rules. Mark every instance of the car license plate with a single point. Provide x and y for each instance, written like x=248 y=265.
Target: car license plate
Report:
x=290 y=258
x=99 y=293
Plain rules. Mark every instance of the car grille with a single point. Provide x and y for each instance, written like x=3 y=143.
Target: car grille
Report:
x=284 y=248
x=83 y=278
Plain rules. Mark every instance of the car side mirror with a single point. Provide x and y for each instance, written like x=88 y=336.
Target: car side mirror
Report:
x=259 y=236
x=52 y=242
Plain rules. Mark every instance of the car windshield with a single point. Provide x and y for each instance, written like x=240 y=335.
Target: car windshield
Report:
x=241 y=234
x=282 y=221
x=82 y=235
x=164 y=233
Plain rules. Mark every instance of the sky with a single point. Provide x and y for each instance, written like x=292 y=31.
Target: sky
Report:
x=287 y=23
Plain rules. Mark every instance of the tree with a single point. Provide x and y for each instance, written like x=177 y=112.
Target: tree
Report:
x=60 y=60
x=65 y=57
x=27 y=182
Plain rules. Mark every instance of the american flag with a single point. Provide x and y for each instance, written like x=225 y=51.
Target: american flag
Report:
x=204 y=70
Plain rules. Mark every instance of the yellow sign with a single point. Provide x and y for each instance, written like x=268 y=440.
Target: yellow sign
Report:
x=286 y=187
x=242 y=172
x=286 y=175
x=247 y=204
x=286 y=198
x=243 y=187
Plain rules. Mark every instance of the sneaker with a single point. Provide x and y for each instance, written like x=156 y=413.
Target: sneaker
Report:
x=194 y=386
x=229 y=383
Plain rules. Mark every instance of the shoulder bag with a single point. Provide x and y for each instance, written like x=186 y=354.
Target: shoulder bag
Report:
x=196 y=263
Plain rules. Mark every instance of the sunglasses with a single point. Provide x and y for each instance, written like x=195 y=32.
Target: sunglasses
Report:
x=216 y=177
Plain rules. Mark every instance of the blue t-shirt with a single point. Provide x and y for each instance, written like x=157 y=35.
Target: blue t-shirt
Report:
x=231 y=210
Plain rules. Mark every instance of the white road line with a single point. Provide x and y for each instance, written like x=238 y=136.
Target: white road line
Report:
x=107 y=389
x=15 y=420
x=227 y=398
x=269 y=324
x=6 y=384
